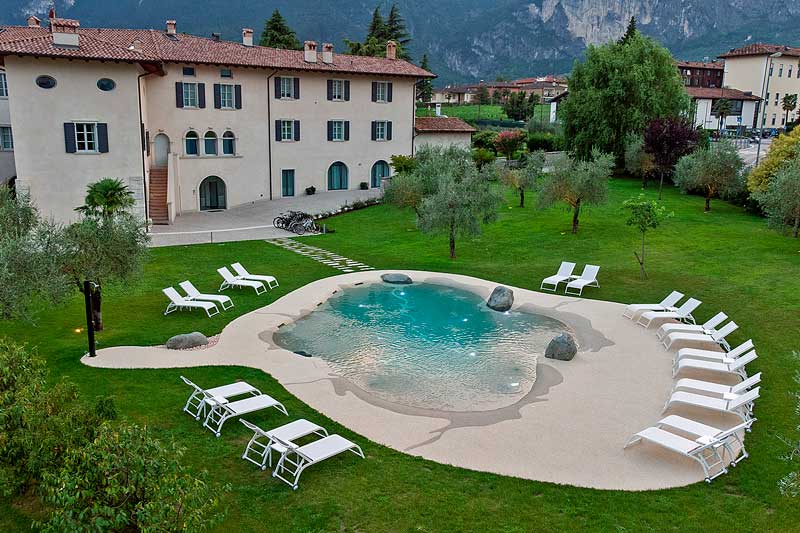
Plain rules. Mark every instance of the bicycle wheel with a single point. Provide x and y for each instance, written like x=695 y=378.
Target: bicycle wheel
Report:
x=277 y=221
x=299 y=228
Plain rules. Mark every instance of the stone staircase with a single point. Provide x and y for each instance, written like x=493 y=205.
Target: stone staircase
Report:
x=158 y=196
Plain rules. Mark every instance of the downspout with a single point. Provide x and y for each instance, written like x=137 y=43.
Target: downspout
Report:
x=144 y=150
x=414 y=118
x=269 y=131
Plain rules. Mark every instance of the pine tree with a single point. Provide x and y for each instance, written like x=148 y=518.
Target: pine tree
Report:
x=396 y=27
x=629 y=32
x=425 y=87
x=377 y=27
x=278 y=34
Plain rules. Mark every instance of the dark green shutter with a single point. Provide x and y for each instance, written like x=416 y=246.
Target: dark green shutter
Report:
x=389 y=131
x=296 y=130
x=389 y=92
x=102 y=138
x=374 y=91
x=346 y=130
x=374 y=130
x=69 y=137
x=217 y=96
x=346 y=90
x=330 y=130
x=201 y=95
x=277 y=87
x=330 y=91
x=278 y=130
x=237 y=96
x=297 y=88
x=178 y=94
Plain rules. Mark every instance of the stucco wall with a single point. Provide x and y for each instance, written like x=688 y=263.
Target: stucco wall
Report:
x=705 y=119
x=7 y=167
x=443 y=139
x=747 y=74
x=56 y=179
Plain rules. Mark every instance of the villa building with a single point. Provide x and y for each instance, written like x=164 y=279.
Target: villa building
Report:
x=701 y=73
x=442 y=131
x=768 y=71
x=193 y=123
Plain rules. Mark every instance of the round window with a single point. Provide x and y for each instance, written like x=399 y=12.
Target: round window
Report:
x=46 y=82
x=106 y=84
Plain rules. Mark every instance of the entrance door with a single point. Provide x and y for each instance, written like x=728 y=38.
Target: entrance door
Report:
x=212 y=194
x=161 y=149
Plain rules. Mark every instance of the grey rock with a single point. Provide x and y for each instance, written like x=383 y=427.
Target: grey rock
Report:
x=501 y=299
x=396 y=278
x=562 y=348
x=185 y=341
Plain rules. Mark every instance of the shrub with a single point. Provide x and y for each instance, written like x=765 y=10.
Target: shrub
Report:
x=781 y=200
x=508 y=142
x=484 y=139
x=311 y=190
x=483 y=157
x=715 y=172
x=548 y=142
x=403 y=164
x=783 y=148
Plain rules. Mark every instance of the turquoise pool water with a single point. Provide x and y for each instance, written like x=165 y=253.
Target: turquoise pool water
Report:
x=425 y=345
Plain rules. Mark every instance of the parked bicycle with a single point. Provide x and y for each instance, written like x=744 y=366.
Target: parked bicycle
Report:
x=296 y=222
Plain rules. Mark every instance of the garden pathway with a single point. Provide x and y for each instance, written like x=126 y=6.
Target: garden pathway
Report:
x=325 y=257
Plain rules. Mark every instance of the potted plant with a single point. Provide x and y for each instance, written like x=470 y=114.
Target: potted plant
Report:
x=311 y=190
x=364 y=185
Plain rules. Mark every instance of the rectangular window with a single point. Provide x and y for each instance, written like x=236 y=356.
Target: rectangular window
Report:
x=777 y=98
x=189 y=95
x=6 y=139
x=380 y=130
x=337 y=90
x=337 y=130
x=226 y=100
x=86 y=137
x=3 y=85
x=773 y=119
x=780 y=70
x=381 y=91
x=188 y=71
x=287 y=88
x=771 y=68
x=287 y=130
x=287 y=182
x=225 y=73
x=789 y=74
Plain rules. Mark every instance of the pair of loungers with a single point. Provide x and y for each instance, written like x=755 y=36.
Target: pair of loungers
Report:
x=575 y=284
x=218 y=405
x=244 y=279
x=194 y=299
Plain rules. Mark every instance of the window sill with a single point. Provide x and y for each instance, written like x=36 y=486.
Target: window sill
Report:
x=288 y=99
x=237 y=156
x=87 y=153
x=285 y=141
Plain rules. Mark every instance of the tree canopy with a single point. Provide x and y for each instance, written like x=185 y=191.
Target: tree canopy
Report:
x=644 y=215
x=278 y=34
x=379 y=32
x=716 y=171
x=425 y=86
x=618 y=89
x=781 y=200
x=784 y=148
x=668 y=139
x=525 y=177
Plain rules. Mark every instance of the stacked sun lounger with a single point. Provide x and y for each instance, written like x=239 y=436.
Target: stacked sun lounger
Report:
x=713 y=448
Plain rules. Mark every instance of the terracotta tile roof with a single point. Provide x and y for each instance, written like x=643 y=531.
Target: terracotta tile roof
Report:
x=442 y=125
x=69 y=23
x=761 y=49
x=713 y=93
x=716 y=65
x=157 y=46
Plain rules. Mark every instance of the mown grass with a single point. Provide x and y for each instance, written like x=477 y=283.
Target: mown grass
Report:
x=726 y=258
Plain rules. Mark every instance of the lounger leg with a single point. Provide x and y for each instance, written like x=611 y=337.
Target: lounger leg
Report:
x=258 y=449
x=193 y=406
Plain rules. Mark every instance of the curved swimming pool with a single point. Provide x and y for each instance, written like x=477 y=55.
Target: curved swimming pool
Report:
x=425 y=345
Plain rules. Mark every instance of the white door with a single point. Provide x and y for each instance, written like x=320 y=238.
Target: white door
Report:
x=161 y=149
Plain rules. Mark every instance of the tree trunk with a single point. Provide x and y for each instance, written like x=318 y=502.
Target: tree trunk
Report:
x=452 y=240
x=521 y=197
x=644 y=180
x=641 y=260
x=575 y=217
x=708 y=203
x=97 y=314
x=660 y=183
x=796 y=225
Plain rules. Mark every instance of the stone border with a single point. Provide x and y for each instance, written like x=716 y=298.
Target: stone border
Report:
x=570 y=428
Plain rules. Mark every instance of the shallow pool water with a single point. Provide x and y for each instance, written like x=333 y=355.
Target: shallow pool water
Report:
x=425 y=345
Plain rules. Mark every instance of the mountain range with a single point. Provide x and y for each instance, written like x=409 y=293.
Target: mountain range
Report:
x=466 y=40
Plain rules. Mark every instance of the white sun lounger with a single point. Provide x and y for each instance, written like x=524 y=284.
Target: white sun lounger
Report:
x=196 y=405
x=683 y=313
x=229 y=280
x=708 y=327
x=298 y=458
x=263 y=443
x=244 y=274
x=564 y=274
x=727 y=436
x=178 y=303
x=715 y=388
x=193 y=294
x=738 y=404
x=714 y=355
x=717 y=337
x=725 y=366
x=667 y=304
x=222 y=410
x=588 y=278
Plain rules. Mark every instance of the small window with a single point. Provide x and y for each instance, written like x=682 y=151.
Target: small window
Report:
x=225 y=73
x=228 y=143
x=381 y=91
x=287 y=88
x=46 y=82
x=189 y=95
x=106 y=84
x=3 y=85
x=6 y=139
x=337 y=130
x=226 y=100
x=210 y=143
x=773 y=118
x=188 y=71
x=337 y=90
x=287 y=182
x=287 y=130
x=192 y=143
x=789 y=74
x=86 y=137
x=780 y=71
x=771 y=68
x=380 y=130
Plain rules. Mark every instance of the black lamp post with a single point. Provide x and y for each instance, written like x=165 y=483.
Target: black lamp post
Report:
x=87 y=295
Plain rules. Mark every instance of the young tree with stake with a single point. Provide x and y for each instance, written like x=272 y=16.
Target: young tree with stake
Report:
x=644 y=215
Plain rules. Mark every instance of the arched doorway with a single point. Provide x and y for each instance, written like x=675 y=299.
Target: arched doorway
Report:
x=212 y=194
x=380 y=170
x=161 y=150
x=337 y=176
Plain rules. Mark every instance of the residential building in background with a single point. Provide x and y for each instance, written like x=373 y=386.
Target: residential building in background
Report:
x=193 y=123
x=701 y=73
x=546 y=87
x=442 y=131
x=742 y=113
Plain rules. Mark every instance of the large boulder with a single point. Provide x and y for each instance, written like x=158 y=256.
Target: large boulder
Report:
x=562 y=348
x=501 y=299
x=396 y=278
x=184 y=341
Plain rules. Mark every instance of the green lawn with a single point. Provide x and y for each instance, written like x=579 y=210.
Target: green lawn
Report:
x=726 y=258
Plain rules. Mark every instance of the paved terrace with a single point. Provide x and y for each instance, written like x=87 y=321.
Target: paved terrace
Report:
x=250 y=222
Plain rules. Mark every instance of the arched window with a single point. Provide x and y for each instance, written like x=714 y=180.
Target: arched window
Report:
x=337 y=176
x=380 y=170
x=212 y=194
x=228 y=143
x=192 y=143
x=210 y=143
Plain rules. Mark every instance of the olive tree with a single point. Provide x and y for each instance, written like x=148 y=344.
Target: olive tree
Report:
x=781 y=200
x=644 y=215
x=716 y=171
x=637 y=161
x=789 y=485
x=525 y=177
x=577 y=183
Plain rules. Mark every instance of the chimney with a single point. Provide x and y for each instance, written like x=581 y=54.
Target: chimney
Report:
x=136 y=45
x=172 y=27
x=215 y=37
x=65 y=32
x=247 y=37
x=310 y=49
x=391 y=50
x=327 y=53
x=34 y=22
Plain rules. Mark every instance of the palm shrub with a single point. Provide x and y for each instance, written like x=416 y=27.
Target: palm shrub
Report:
x=781 y=200
x=716 y=171
x=106 y=197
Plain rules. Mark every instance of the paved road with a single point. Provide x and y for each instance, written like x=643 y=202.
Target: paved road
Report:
x=749 y=153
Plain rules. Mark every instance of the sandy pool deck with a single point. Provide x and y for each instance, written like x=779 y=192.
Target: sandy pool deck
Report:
x=570 y=428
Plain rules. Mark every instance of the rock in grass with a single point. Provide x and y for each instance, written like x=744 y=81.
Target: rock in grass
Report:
x=562 y=348
x=184 y=341
x=502 y=299
x=396 y=279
